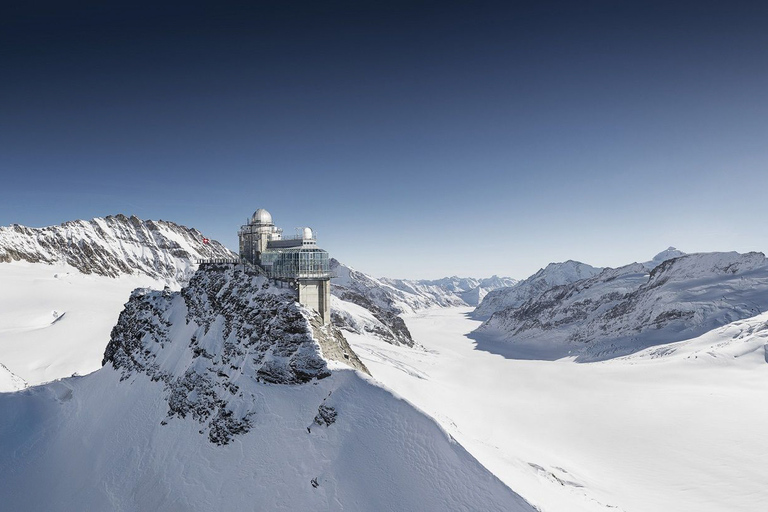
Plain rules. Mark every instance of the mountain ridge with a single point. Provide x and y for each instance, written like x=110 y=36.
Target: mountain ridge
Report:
x=112 y=246
x=621 y=311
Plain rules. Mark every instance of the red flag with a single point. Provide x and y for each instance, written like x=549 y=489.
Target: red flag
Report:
x=205 y=240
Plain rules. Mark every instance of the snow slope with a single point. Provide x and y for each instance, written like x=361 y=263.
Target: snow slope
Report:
x=624 y=310
x=679 y=427
x=220 y=398
x=9 y=381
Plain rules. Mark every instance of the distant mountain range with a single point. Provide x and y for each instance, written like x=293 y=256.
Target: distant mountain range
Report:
x=572 y=309
x=365 y=304
x=568 y=308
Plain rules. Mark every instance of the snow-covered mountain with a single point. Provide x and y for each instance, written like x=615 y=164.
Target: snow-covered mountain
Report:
x=63 y=287
x=365 y=304
x=470 y=290
x=743 y=342
x=555 y=274
x=667 y=254
x=113 y=246
x=624 y=310
x=224 y=397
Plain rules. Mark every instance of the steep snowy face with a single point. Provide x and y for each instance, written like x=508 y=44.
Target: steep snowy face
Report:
x=223 y=396
x=113 y=246
x=555 y=274
x=625 y=310
x=362 y=303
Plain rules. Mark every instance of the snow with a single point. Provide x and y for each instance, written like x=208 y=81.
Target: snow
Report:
x=234 y=358
x=384 y=299
x=95 y=443
x=470 y=290
x=9 y=381
x=355 y=317
x=55 y=321
x=554 y=274
x=667 y=254
x=677 y=427
x=64 y=286
x=621 y=311
x=406 y=295
x=113 y=246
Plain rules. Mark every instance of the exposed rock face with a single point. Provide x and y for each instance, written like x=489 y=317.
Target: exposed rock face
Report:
x=326 y=415
x=334 y=345
x=387 y=325
x=226 y=326
x=113 y=246
x=624 y=310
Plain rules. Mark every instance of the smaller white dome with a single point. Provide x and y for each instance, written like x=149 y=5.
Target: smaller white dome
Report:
x=307 y=234
x=261 y=216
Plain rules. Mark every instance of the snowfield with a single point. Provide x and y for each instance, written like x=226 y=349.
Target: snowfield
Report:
x=96 y=443
x=55 y=320
x=678 y=427
x=10 y=381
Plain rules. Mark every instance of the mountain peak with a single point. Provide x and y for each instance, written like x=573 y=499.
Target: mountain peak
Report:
x=667 y=254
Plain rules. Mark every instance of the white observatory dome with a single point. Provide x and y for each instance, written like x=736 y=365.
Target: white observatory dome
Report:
x=307 y=234
x=261 y=216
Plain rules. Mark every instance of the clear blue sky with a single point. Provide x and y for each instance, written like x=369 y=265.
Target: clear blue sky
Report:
x=420 y=139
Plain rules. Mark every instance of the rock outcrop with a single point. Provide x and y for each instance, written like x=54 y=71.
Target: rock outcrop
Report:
x=226 y=326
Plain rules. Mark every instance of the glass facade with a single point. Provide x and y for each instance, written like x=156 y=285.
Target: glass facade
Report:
x=296 y=263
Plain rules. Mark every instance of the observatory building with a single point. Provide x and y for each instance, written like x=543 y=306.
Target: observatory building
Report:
x=296 y=260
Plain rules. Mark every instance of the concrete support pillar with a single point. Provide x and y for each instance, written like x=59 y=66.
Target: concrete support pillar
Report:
x=316 y=294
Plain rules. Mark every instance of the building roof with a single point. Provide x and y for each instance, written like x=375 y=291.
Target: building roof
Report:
x=261 y=216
